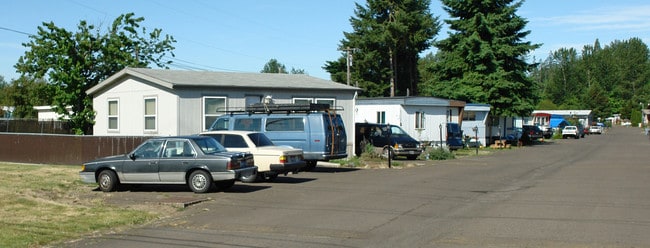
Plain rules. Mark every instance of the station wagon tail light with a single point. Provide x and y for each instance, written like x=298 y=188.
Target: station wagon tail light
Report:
x=283 y=159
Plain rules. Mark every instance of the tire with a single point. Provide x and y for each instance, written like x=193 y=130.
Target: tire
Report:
x=223 y=185
x=384 y=154
x=311 y=164
x=200 y=181
x=107 y=180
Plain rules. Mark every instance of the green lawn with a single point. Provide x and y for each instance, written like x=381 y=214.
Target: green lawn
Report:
x=45 y=204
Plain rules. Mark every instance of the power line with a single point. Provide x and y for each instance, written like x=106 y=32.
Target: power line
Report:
x=89 y=7
x=15 y=31
x=185 y=64
x=280 y=34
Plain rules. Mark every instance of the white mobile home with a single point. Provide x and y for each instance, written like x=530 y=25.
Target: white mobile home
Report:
x=156 y=102
x=476 y=116
x=424 y=118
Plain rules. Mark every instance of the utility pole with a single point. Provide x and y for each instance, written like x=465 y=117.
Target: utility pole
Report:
x=348 y=59
x=392 y=73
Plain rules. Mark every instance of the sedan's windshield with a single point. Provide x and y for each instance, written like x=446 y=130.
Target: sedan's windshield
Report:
x=209 y=145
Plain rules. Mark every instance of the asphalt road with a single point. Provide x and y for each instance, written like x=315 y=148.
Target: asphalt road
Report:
x=591 y=192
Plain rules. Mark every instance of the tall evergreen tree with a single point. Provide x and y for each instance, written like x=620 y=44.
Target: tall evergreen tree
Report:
x=385 y=45
x=484 y=58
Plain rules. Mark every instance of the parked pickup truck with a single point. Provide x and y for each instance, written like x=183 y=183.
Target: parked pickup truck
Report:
x=571 y=131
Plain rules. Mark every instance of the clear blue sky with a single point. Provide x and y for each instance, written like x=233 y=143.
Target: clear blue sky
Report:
x=242 y=35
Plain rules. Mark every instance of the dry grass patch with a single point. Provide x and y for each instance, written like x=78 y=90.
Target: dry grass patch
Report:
x=44 y=204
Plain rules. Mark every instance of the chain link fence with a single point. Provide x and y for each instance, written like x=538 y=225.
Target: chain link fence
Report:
x=34 y=126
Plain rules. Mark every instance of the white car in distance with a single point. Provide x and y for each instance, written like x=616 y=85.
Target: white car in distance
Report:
x=270 y=159
x=569 y=131
x=595 y=129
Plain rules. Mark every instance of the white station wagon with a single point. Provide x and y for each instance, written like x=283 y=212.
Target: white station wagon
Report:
x=270 y=159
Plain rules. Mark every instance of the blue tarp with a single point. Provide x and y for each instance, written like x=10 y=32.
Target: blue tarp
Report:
x=557 y=121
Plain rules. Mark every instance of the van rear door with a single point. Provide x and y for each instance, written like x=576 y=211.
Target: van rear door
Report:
x=336 y=145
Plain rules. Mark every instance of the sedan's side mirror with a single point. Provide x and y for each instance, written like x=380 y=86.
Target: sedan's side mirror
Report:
x=132 y=156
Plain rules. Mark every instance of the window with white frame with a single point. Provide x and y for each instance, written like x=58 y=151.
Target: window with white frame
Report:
x=330 y=101
x=213 y=107
x=469 y=116
x=150 y=114
x=419 y=120
x=302 y=100
x=381 y=117
x=113 y=114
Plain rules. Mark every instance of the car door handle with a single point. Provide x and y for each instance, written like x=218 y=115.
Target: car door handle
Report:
x=153 y=163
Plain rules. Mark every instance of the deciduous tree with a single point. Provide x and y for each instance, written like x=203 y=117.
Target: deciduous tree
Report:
x=607 y=80
x=273 y=66
x=73 y=62
x=24 y=93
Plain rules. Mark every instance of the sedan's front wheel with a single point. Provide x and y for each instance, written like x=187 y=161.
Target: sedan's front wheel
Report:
x=107 y=181
x=200 y=181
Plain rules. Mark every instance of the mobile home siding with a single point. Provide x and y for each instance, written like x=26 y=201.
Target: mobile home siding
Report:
x=180 y=97
x=131 y=95
x=401 y=111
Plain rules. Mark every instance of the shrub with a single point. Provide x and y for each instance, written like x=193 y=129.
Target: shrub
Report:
x=440 y=154
x=557 y=134
x=369 y=152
